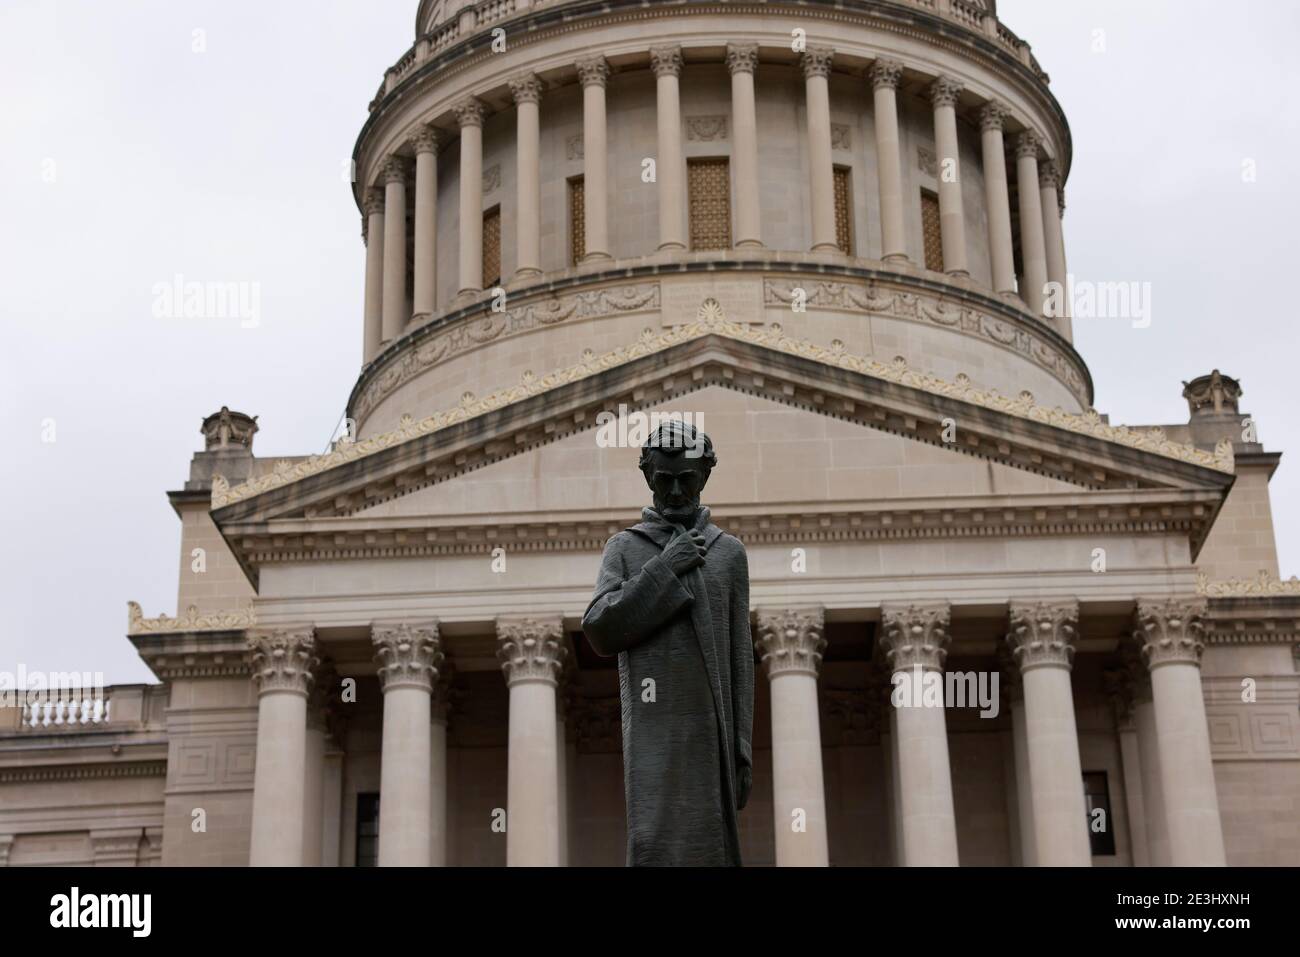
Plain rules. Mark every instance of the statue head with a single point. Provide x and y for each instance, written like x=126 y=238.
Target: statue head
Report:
x=676 y=461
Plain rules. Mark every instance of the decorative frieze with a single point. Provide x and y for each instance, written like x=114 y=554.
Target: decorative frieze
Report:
x=790 y=640
x=573 y=147
x=927 y=162
x=1043 y=633
x=915 y=636
x=409 y=654
x=1170 y=631
x=492 y=179
x=841 y=137
x=706 y=129
x=1262 y=586
x=283 y=659
x=531 y=649
x=192 y=620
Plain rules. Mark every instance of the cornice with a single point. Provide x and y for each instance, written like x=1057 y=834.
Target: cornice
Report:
x=1262 y=586
x=192 y=620
x=83 y=772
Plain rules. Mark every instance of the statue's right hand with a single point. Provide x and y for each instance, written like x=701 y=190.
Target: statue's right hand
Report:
x=684 y=552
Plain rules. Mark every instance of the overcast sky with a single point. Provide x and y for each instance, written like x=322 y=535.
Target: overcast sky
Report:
x=131 y=157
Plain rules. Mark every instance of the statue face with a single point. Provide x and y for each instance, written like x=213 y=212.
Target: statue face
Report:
x=676 y=481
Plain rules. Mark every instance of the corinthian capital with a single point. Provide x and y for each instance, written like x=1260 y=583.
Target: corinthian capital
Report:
x=790 y=640
x=1049 y=174
x=1027 y=144
x=817 y=61
x=885 y=73
x=742 y=57
x=666 y=61
x=373 y=202
x=394 y=171
x=409 y=654
x=944 y=92
x=593 y=71
x=530 y=649
x=915 y=635
x=469 y=112
x=526 y=88
x=425 y=139
x=283 y=659
x=1043 y=633
x=993 y=116
x=1170 y=631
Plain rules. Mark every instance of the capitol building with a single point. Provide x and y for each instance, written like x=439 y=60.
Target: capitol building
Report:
x=829 y=233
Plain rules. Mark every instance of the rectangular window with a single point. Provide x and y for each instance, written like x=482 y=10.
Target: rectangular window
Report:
x=577 y=221
x=931 y=231
x=492 y=248
x=1101 y=829
x=844 y=209
x=709 y=196
x=367 y=830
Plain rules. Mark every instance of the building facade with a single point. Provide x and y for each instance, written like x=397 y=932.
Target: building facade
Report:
x=828 y=233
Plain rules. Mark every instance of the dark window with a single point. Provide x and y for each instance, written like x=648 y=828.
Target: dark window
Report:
x=367 y=830
x=1101 y=825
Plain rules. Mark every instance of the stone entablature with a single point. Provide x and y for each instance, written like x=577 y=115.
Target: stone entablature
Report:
x=193 y=620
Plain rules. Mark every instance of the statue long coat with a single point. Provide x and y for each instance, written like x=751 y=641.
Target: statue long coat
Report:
x=684 y=739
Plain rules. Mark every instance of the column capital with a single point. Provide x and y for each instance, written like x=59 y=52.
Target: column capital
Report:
x=526 y=88
x=393 y=171
x=1027 y=144
x=915 y=635
x=409 y=653
x=593 y=71
x=469 y=112
x=426 y=139
x=817 y=61
x=1049 y=174
x=372 y=201
x=1042 y=633
x=742 y=57
x=1170 y=630
x=790 y=640
x=666 y=61
x=530 y=649
x=885 y=74
x=993 y=116
x=944 y=92
x=283 y=659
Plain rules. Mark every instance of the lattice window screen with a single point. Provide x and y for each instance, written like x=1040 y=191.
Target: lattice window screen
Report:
x=844 y=210
x=932 y=231
x=709 y=192
x=577 y=221
x=492 y=248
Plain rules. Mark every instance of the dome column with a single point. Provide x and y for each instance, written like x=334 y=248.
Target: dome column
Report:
x=952 y=213
x=425 y=144
x=1049 y=192
x=817 y=70
x=1033 y=246
x=790 y=642
x=469 y=115
x=997 y=199
x=742 y=61
x=667 y=65
x=527 y=92
x=594 y=74
x=885 y=76
x=373 y=210
x=394 y=248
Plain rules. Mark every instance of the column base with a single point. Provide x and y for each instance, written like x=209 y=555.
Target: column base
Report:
x=827 y=248
x=896 y=258
x=752 y=244
x=673 y=246
x=596 y=258
x=525 y=273
x=959 y=273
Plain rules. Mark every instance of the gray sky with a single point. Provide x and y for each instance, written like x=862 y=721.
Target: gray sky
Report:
x=131 y=158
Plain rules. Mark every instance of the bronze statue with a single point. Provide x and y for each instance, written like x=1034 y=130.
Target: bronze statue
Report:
x=672 y=601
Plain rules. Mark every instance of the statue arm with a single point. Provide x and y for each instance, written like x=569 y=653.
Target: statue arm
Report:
x=628 y=609
x=742 y=676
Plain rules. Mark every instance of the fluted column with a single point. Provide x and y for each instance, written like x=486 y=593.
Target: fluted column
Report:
x=671 y=167
x=997 y=199
x=742 y=61
x=790 y=643
x=915 y=639
x=817 y=70
x=425 y=144
x=373 y=210
x=313 y=828
x=531 y=654
x=283 y=661
x=1033 y=248
x=438 y=718
x=594 y=74
x=409 y=656
x=1170 y=635
x=1049 y=193
x=527 y=91
x=1042 y=638
x=394 y=248
x=469 y=115
x=885 y=76
x=944 y=93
